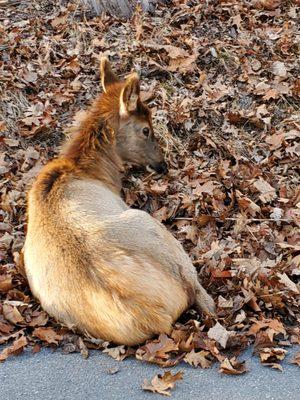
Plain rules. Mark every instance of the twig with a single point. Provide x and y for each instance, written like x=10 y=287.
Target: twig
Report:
x=148 y=176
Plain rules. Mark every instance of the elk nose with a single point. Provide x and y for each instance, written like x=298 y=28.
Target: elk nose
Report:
x=161 y=167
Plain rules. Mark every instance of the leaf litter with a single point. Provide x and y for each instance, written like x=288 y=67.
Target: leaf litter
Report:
x=222 y=80
x=162 y=384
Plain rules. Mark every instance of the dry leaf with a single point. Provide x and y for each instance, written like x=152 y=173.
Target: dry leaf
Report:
x=278 y=68
x=39 y=320
x=158 y=188
x=270 y=355
x=16 y=348
x=158 y=350
x=5 y=283
x=60 y=20
x=47 y=335
x=219 y=334
x=12 y=314
x=118 y=353
x=198 y=359
x=268 y=193
x=232 y=367
x=224 y=303
x=288 y=283
x=246 y=204
x=273 y=365
x=162 y=384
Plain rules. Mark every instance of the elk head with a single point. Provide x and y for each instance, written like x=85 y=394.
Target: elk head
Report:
x=131 y=120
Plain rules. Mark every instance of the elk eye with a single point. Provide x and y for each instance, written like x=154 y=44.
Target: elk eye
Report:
x=146 y=131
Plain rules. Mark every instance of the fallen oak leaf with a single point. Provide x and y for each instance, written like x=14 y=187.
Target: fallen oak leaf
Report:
x=275 y=140
x=207 y=344
x=118 y=353
x=271 y=354
x=293 y=150
x=59 y=20
x=162 y=384
x=5 y=328
x=12 y=314
x=271 y=94
x=288 y=283
x=161 y=346
x=16 y=348
x=183 y=64
x=199 y=358
x=268 y=193
x=39 y=320
x=219 y=334
x=47 y=335
x=159 y=351
x=5 y=283
x=273 y=324
x=246 y=204
x=278 y=68
x=14 y=335
x=273 y=365
x=208 y=187
x=224 y=303
x=262 y=340
x=158 y=188
x=232 y=367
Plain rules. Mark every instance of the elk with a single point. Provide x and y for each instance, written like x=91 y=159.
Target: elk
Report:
x=94 y=264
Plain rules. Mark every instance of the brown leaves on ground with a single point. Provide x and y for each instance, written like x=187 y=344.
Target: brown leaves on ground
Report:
x=13 y=350
x=232 y=367
x=119 y=353
x=198 y=359
x=270 y=357
x=296 y=359
x=12 y=314
x=159 y=351
x=5 y=283
x=162 y=384
x=224 y=90
x=47 y=335
x=219 y=334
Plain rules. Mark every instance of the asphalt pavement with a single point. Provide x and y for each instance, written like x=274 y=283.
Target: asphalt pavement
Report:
x=51 y=375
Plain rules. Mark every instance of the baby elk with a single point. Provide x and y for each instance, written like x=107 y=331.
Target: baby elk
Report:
x=94 y=264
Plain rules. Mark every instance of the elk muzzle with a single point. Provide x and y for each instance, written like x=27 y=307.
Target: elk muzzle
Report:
x=160 y=168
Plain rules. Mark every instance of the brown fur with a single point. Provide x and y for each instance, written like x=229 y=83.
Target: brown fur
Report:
x=93 y=263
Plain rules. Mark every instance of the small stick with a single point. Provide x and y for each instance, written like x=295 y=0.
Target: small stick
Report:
x=148 y=176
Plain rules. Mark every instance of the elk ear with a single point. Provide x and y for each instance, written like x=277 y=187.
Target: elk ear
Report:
x=130 y=94
x=106 y=74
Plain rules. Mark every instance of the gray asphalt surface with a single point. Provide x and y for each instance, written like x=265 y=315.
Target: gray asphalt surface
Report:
x=48 y=376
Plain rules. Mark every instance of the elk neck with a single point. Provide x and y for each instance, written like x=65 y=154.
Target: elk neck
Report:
x=91 y=147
